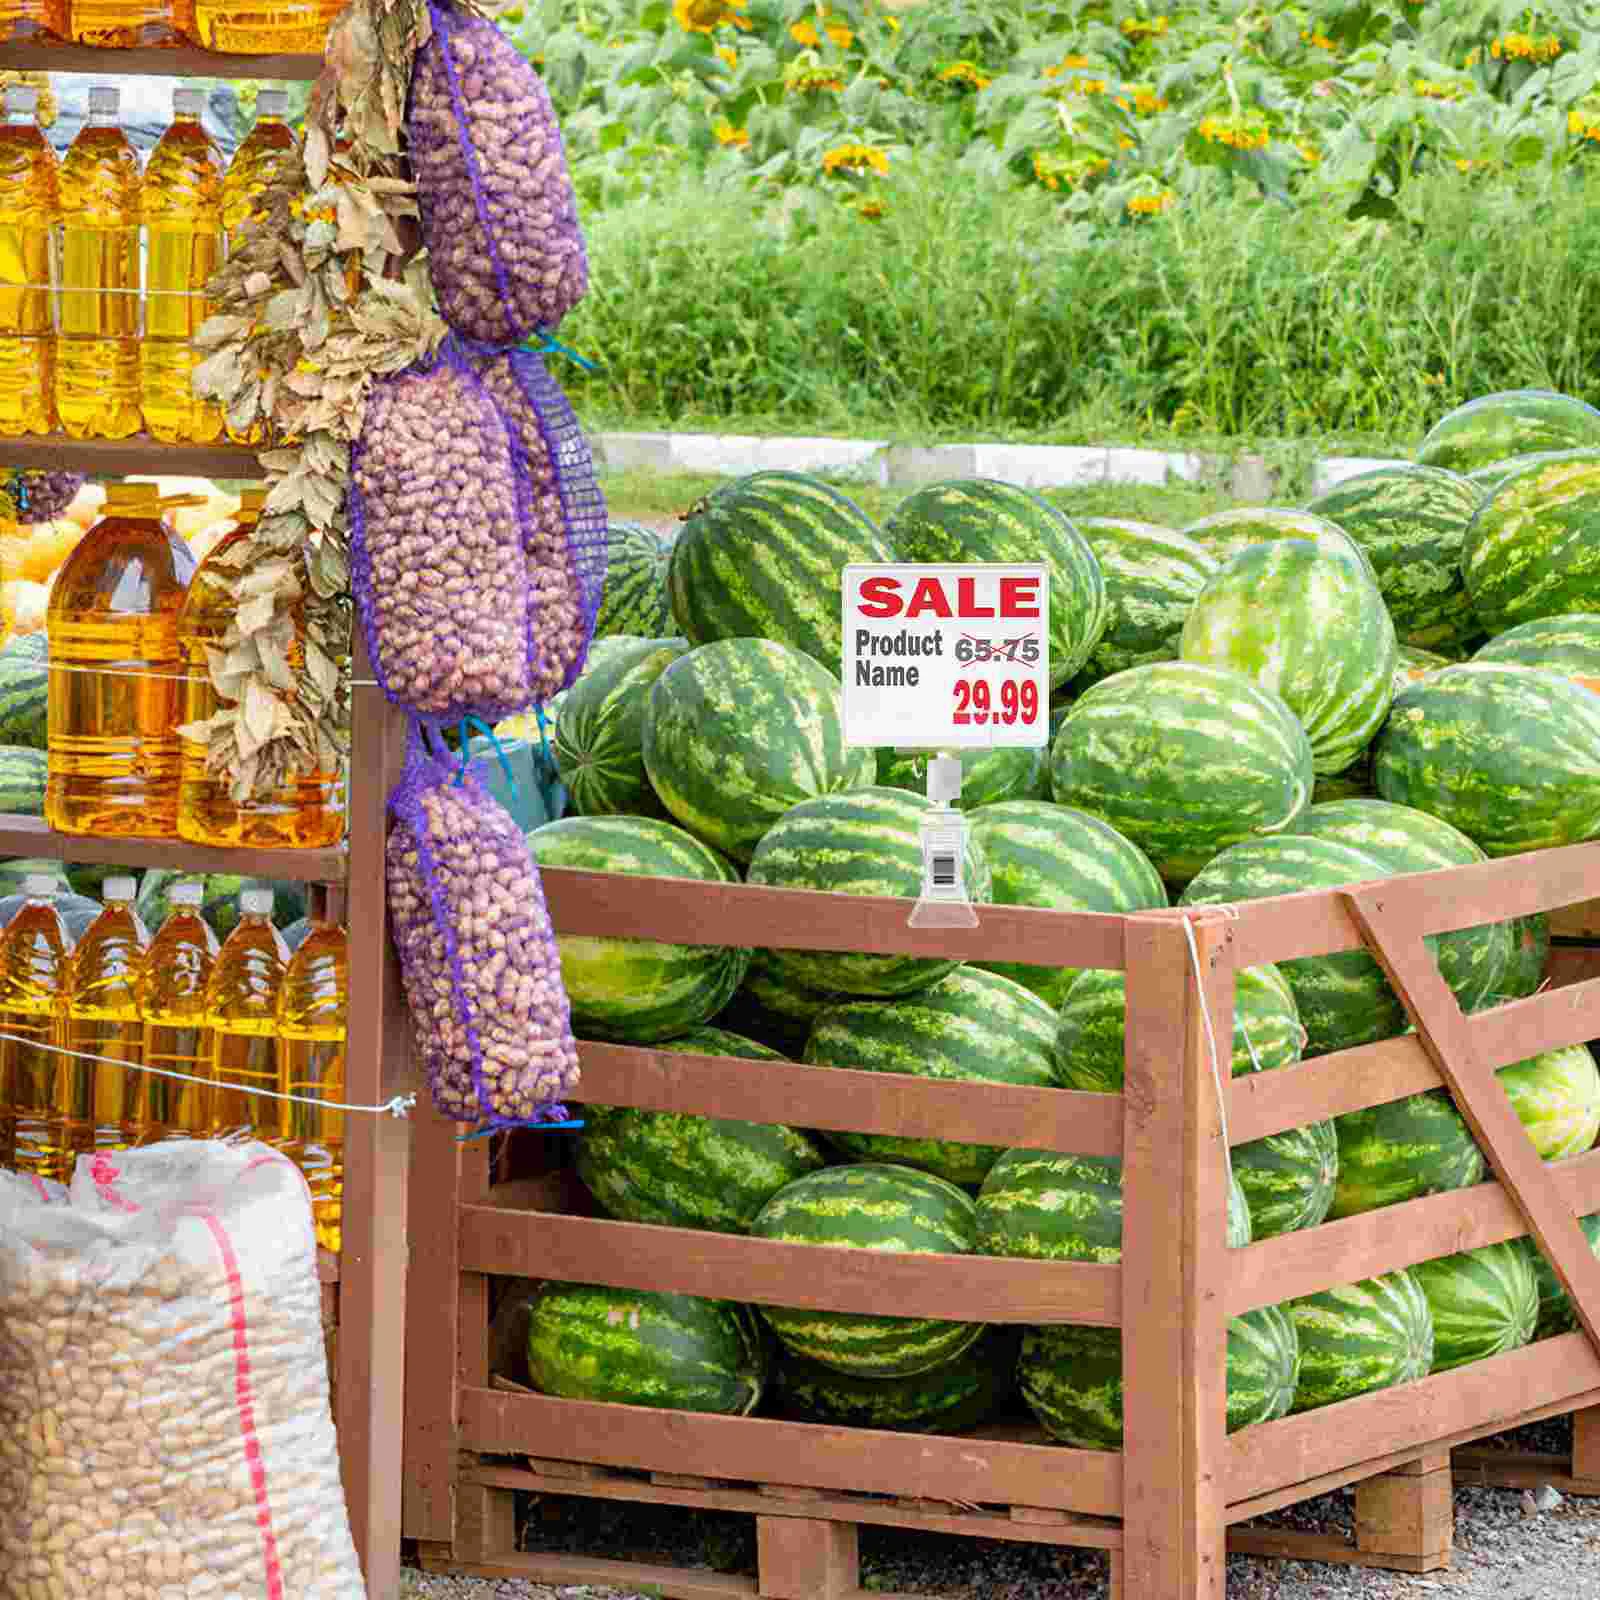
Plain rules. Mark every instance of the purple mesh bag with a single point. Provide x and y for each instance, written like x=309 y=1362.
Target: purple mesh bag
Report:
x=499 y=217
x=566 y=532
x=478 y=958
x=438 y=518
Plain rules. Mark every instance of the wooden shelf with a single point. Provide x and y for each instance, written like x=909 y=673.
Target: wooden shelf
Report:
x=189 y=61
x=29 y=837
x=121 y=458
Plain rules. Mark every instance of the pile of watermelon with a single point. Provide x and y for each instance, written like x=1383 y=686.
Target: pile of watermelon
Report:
x=1403 y=676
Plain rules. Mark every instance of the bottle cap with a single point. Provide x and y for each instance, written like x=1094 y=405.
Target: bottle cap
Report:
x=105 y=97
x=255 y=902
x=118 y=889
x=188 y=893
x=944 y=779
x=188 y=102
x=40 y=886
x=21 y=101
x=272 y=102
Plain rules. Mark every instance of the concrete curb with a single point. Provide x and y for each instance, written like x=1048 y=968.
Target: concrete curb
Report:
x=877 y=461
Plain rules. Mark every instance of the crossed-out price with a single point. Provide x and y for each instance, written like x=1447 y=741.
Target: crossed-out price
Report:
x=979 y=700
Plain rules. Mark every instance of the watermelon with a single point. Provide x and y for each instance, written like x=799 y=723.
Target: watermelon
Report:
x=688 y=1171
x=28 y=647
x=1509 y=755
x=1308 y=624
x=1007 y=772
x=865 y=841
x=981 y=519
x=1343 y=999
x=1224 y=534
x=1071 y=1376
x=1556 y=1315
x=634 y=600
x=598 y=743
x=946 y=1399
x=1530 y=951
x=1414 y=665
x=1473 y=961
x=1487 y=479
x=1288 y=1178
x=87 y=879
x=220 y=905
x=764 y=557
x=1361 y=1337
x=1401 y=1151
x=1040 y=854
x=23 y=771
x=1152 y=577
x=1354 y=783
x=739 y=731
x=773 y=1009
x=638 y=990
x=1514 y=422
x=1183 y=761
x=873 y=1206
x=1533 y=550
x=1483 y=1302
x=969 y=1025
x=1556 y=1097
x=16 y=870
x=1568 y=645
x=24 y=697
x=674 y=1352
x=1411 y=522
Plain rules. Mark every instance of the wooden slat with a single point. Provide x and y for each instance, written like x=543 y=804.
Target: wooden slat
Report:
x=126 y=458
x=1519 y=1469
x=1290 y=1544
x=1581 y=921
x=603 y=905
x=1174 y=1199
x=1009 y=1115
x=963 y=1469
x=186 y=61
x=626 y=1577
x=823 y=1277
x=1392 y=929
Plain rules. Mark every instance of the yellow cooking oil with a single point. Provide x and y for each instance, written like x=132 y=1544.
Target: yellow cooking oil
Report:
x=34 y=953
x=265 y=27
x=313 y=1006
x=28 y=20
x=242 y=1013
x=30 y=209
x=94 y=1099
x=97 y=254
x=125 y=24
x=116 y=671
x=307 y=812
x=258 y=157
x=181 y=203
x=171 y=999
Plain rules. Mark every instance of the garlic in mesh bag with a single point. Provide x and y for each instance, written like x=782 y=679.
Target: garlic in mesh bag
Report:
x=164 y=1420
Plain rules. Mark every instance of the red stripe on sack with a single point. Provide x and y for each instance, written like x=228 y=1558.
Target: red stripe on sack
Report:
x=247 y=1410
x=105 y=1175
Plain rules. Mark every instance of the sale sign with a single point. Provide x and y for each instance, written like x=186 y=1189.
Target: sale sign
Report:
x=945 y=656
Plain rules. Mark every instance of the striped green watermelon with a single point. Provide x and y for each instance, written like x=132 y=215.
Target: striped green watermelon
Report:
x=970 y=1024
x=1308 y=624
x=1401 y=1151
x=1152 y=577
x=635 y=600
x=1343 y=999
x=1354 y=783
x=1533 y=550
x=873 y=1206
x=1225 y=533
x=1183 y=761
x=1530 y=951
x=1514 y=422
x=864 y=841
x=1414 y=665
x=1556 y=1097
x=1012 y=772
x=28 y=646
x=1288 y=1178
x=739 y=731
x=1483 y=1302
x=980 y=519
x=687 y=1171
x=763 y=558
x=675 y=1352
x=639 y=990
x=1411 y=522
x=24 y=695
x=600 y=736
x=774 y=1010
x=1509 y=755
x=22 y=777
x=1041 y=854
x=1361 y=1337
x=220 y=905
x=1555 y=1308
x=1488 y=479
x=1568 y=645
x=1071 y=1377
x=946 y=1399
x=1473 y=961
x=16 y=870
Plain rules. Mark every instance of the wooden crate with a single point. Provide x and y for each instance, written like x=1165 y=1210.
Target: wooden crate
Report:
x=1163 y=1507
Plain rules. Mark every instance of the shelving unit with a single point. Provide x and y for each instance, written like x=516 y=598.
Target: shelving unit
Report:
x=187 y=62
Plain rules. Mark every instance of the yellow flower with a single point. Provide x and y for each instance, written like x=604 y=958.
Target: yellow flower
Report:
x=1079 y=87
x=806 y=75
x=1428 y=89
x=1465 y=166
x=1055 y=171
x=857 y=158
x=1319 y=39
x=963 y=72
x=1068 y=64
x=869 y=208
x=1238 y=133
x=1308 y=153
x=1125 y=143
x=1143 y=28
x=728 y=56
x=1474 y=56
x=840 y=34
x=1525 y=47
x=1151 y=205
x=804 y=33
x=704 y=16
x=1146 y=102
x=726 y=133
x=1582 y=126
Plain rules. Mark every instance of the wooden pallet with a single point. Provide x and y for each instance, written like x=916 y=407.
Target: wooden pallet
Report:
x=1577 y=1472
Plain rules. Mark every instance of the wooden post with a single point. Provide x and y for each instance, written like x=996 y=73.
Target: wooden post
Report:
x=1409 y=1513
x=1174 y=1233
x=804 y=1559
x=1586 y=1445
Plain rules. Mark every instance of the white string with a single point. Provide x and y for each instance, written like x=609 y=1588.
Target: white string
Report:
x=397 y=1107
x=1211 y=1040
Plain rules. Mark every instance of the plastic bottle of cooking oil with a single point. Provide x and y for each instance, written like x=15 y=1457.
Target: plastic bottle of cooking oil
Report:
x=312 y=1008
x=30 y=208
x=116 y=671
x=34 y=953
x=171 y=998
x=264 y=27
x=257 y=157
x=96 y=1101
x=97 y=333
x=25 y=19
x=181 y=202
x=242 y=1011
x=122 y=24
x=308 y=811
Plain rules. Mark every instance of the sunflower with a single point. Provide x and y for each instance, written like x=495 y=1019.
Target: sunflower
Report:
x=705 y=16
x=857 y=158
